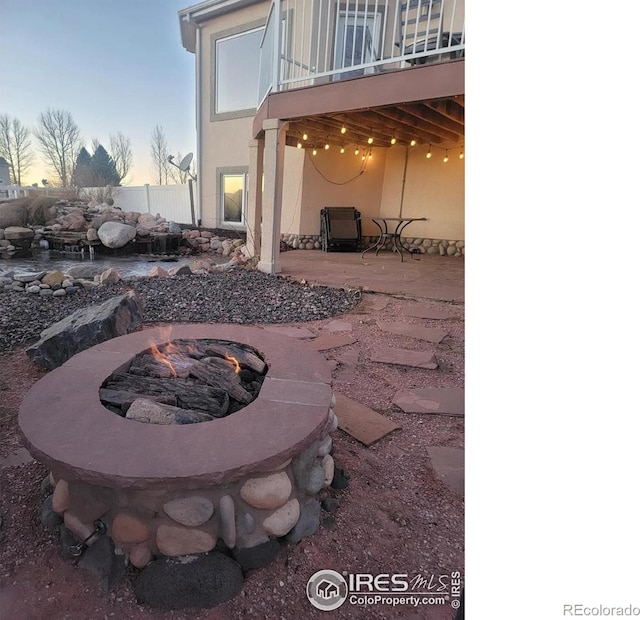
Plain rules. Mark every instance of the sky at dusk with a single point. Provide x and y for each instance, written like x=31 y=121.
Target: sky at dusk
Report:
x=115 y=65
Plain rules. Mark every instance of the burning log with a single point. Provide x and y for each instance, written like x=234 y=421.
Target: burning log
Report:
x=220 y=377
x=245 y=357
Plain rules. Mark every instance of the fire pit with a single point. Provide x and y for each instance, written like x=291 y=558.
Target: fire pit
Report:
x=174 y=489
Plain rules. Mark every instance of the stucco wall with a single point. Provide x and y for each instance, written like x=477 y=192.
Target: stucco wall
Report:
x=224 y=143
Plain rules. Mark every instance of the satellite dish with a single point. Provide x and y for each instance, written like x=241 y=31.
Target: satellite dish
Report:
x=186 y=162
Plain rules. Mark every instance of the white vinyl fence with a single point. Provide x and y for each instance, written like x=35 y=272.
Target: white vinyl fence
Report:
x=172 y=202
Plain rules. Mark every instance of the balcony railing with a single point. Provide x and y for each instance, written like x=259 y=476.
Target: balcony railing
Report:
x=319 y=41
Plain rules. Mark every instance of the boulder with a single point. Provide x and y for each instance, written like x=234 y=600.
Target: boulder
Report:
x=84 y=271
x=13 y=214
x=18 y=233
x=116 y=235
x=74 y=221
x=85 y=328
x=189 y=581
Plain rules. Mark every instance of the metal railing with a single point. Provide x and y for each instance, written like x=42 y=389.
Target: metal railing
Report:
x=319 y=41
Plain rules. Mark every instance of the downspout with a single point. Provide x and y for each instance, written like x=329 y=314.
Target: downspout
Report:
x=198 y=121
x=404 y=178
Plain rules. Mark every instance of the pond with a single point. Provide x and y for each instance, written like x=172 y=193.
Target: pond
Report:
x=127 y=266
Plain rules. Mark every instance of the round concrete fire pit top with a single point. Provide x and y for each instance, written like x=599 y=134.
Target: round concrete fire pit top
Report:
x=66 y=427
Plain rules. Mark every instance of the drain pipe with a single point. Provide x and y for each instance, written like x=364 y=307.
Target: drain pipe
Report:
x=404 y=178
x=198 y=121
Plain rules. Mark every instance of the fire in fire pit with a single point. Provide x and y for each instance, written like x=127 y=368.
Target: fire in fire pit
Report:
x=185 y=382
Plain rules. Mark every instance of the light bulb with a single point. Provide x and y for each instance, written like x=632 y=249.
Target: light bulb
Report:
x=326 y=146
x=342 y=149
x=343 y=130
x=446 y=157
x=461 y=156
x=299 y=145
x=393 y=140
x=363 y=157
x=370 y=141
x=314 y=152
x=413 y=142
x=370 y=155
x=357 y=150
x=304 y=136
x=429 y=153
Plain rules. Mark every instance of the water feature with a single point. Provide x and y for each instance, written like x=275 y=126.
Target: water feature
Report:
x=127 y=266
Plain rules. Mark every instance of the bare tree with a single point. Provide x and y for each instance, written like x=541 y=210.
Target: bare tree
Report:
x=59 y=139
x=15 y=147
x=160 y=154
x=122 y=155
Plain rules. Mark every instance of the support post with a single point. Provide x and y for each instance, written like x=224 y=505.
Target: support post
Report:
x=274 y=144
x=254 y=196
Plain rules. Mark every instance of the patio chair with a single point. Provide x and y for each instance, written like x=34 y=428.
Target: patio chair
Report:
x=340 y=229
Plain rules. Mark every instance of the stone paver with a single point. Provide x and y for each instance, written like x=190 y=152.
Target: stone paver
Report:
x=372 y=303
x=430 y=334
x=292 y=332
x=448 y=464
x=331 y=341
x=362 y=423
x=425 y=312
x=337 y=326
x=446 y=401
x=405 y=357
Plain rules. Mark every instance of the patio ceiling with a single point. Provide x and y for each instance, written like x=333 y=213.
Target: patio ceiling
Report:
x=437 y=122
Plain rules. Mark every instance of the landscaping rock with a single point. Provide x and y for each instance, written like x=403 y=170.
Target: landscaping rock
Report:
x=115 y=234
x=86 y=328
x=258 y=556
x=189 y=581
x=50 y=519
x=101 y=559
x=190 y=511
x=308 y=522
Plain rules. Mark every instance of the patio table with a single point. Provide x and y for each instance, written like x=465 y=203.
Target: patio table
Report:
x=383 y=226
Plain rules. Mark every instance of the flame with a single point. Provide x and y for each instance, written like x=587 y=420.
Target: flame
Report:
x=162 y=358
x=234 y=361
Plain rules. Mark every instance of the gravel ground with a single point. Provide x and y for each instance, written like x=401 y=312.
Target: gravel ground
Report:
x=395 y=516
x=237 y=296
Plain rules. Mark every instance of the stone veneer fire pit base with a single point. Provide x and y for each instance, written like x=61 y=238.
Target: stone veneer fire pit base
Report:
x=166 y=490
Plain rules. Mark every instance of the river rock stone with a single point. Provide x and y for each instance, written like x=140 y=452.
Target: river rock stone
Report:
x=268 y=493
x=174 y=540
x=140 y=556
x=189 y=581
x=60 y=500
x=110 y=276
x=315 y=479
x=328 y=466
x=283 y=519
x=85 y=328
x=92 y=235
x=84 y=271
x=190 y=511
x=227 y=511
x=127 y=528
x=258 y=555
x=308 y=522
x=115 y=235
x=29 y=277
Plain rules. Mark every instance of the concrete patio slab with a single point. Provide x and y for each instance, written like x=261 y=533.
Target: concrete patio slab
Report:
x=405 y=357
x=362 y=423
x=444 y=401
x=331 y=341
x=448 y=464
x=430 y=334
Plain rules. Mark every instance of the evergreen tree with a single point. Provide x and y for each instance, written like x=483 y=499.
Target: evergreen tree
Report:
x=104 y=168
x=83 y=172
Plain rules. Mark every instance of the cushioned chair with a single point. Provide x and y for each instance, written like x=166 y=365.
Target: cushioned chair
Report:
x=340 y=229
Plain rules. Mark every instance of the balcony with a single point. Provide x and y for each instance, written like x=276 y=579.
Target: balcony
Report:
x=323 y=41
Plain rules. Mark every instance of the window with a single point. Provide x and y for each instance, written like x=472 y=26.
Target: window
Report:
x=354 y=44
x=236 y=67
x=233 y=196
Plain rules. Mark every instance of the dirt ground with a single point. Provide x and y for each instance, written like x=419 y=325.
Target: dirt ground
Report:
x=396 y=516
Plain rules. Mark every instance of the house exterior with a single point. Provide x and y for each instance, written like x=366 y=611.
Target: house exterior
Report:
x=303 y=104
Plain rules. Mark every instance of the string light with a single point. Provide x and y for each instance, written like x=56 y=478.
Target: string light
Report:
x=370 y=154
x=446 y=156
x=461 y=155
x=357 y=151
x=314 y=152
x=413 y=143
x=299 y=145
x=305 y=136
x=342 y=149
x=326 y=146
x=393 y=140
x=370 y=140
x=343 y=130
x=429 y=153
